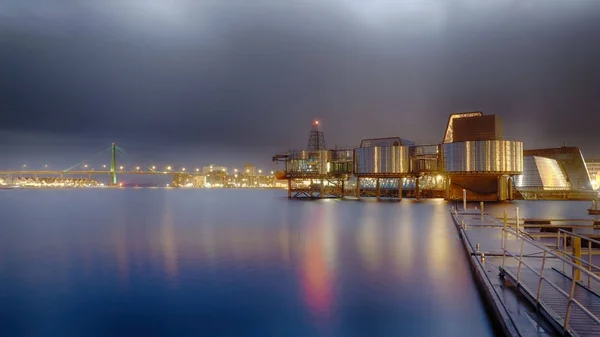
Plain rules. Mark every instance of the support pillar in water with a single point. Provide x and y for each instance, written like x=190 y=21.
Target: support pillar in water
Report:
x=378 y=190
x=322 y=189
x=357 y=187
x=400 y=181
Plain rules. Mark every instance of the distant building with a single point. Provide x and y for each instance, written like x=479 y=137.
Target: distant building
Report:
x=216 y=178
x=570 y=162
x=212 y=167
x=249 y=170
x=593 y=166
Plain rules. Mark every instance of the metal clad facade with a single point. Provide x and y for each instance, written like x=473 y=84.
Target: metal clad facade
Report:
x=382 y=160
x=487 y=156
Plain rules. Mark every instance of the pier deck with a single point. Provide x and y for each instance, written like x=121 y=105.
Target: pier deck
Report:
x=513 y=294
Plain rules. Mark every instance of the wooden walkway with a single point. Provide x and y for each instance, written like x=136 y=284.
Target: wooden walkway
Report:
x=484 y=235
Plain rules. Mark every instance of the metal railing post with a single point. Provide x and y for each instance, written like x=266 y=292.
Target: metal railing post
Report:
x=589 y=262
x=503 y=242
x=520 y=261
x=576 y=243
x=518 y=221
x=570 y=304
x=564 y=249
x=539 y=291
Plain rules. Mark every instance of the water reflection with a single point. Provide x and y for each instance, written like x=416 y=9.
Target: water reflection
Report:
x=266 y=267
x=169 y=248
x=369 y=243
x=316 y=266
x=439 y=255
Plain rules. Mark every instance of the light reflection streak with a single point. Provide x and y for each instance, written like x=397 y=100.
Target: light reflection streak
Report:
x=403 y=245
x=368 y=239
x=442 y=258
x=318 y=261
x=169 y=247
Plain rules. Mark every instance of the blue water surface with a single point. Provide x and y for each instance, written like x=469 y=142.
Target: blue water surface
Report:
x=226 y=262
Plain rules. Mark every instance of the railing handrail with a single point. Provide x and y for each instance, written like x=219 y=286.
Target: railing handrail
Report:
x=570 y=297
x=562 y=292
x=579 y=259
x=544 y=248
x=579 y=236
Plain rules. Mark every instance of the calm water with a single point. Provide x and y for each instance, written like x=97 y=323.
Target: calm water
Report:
x=160 y=262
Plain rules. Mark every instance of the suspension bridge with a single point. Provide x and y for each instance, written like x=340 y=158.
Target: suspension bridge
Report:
x=179 y=175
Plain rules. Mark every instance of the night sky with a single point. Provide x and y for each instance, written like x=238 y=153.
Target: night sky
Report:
x=200 y=82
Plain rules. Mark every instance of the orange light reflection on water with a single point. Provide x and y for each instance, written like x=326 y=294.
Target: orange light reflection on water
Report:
x=318 y=262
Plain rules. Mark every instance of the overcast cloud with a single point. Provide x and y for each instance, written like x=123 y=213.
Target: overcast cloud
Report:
x=185 y=80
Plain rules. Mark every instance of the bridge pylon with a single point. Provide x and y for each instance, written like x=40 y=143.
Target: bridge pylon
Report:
x=113 y=165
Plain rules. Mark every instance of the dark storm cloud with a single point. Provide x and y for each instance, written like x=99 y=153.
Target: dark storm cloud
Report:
x=253 y=74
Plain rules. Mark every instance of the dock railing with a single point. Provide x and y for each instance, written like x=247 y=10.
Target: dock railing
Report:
x=575 y=252
x=547 y=253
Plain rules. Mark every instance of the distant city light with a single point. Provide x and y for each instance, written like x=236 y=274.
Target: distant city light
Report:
x=137 y=167
x=121 y=167
x=183 y=169
x=154 y=167
x=169 y=168
x=104 y=166
x=234 y=170
x=24 y=165
x=85 y=165
x=197 y=170
x=272 y=172
x=316 y=122
x=259 y=171
x=247 y=171
x=46 y=166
